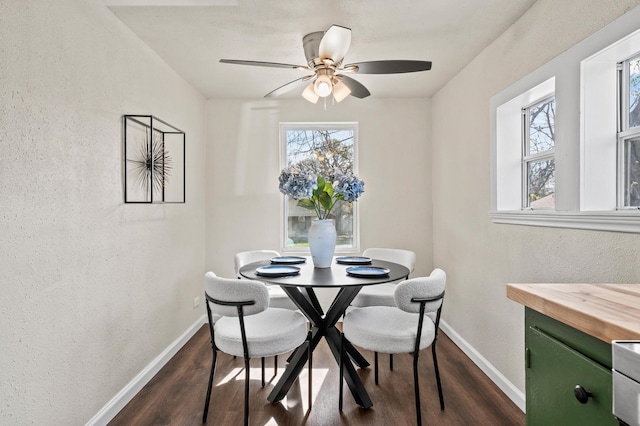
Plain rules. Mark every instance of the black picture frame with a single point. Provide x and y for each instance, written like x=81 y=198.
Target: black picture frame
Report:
x=154 y=161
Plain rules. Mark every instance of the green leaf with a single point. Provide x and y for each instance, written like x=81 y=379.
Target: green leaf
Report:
x=306 y=203
x=328 y=188
x=320 y=189
x=325 y=200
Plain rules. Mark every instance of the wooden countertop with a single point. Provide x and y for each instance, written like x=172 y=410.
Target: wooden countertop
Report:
x=605 y=311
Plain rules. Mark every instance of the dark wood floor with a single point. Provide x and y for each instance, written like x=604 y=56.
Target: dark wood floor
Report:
x=175 y=396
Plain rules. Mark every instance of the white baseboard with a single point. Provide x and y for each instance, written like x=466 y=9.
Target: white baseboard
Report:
x=122 y=398
x=515 y=394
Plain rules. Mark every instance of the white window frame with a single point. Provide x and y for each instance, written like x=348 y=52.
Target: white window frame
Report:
x=284 y=127
x=625 y=132
x=527 y=157
x=585 y=79
x=508 y=160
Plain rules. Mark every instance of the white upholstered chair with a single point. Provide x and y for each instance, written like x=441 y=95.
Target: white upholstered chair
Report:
x=277 y=297
x=382 y=294
x=403 y=329
x=245 y=326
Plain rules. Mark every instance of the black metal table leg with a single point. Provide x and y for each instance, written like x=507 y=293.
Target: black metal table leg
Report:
x=296 y=363
x=305 y=306
x=355 y=355
x=338 y=307
x=314 y=300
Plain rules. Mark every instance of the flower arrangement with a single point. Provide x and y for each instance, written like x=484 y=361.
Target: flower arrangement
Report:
x=302 y=181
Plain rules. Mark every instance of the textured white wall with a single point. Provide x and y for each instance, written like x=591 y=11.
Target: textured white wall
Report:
x=243 y=207
x=91 y=289
x=480 y=257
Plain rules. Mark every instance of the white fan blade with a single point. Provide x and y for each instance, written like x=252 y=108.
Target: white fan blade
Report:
x=335 y=43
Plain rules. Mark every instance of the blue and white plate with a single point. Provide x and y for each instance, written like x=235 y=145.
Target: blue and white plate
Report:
x=288 y=260
x=353 y=260
x=367 y=271
x=277 y=271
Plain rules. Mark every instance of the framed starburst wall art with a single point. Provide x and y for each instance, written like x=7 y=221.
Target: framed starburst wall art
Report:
x=154 y=169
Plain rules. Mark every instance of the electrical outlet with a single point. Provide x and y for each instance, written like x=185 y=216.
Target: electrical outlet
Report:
x=196 y=302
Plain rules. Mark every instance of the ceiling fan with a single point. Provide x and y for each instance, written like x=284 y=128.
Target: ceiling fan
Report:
x=325 y=52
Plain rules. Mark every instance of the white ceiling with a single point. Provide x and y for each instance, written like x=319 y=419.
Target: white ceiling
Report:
x=192 y=38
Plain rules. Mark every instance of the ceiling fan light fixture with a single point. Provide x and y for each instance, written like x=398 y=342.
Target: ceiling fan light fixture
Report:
x=340 y=91
x=325 y=52
x=310 y=94
x=322 y=86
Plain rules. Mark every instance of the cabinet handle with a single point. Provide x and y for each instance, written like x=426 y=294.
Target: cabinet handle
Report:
x=582 y=394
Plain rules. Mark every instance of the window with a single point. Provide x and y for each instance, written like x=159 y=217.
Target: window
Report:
x=538 y=163
x=629 y=133
x=334 y=146
x=525 y=150
x=594 y=164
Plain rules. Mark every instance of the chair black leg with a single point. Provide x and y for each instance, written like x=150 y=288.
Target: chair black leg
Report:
x=246 y=392
x=310 y=354
x=208 y=398
x=341 y=371
x=375 y=369
x=435 y=367
x=391 y=362
x=262 y=369
x=417 y=389
x=275 y=365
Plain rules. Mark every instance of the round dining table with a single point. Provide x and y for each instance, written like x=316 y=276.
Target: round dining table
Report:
x=300 y=289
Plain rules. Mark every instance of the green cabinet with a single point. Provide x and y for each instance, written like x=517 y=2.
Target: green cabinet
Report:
x=558 y=359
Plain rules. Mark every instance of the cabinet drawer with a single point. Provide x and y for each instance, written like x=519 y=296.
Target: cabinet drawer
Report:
x=553 y=371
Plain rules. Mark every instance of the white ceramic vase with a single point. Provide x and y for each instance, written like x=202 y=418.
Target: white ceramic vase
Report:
x=322 y=242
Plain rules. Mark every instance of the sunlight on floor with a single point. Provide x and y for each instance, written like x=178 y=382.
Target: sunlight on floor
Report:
x=294 y=398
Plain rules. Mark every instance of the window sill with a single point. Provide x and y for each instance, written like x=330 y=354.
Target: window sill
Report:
x=618 y=221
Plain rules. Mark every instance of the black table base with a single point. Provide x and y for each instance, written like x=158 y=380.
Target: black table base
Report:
x=307 y=302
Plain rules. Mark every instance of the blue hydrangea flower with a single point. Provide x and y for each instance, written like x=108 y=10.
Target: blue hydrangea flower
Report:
x=300 y=180
x=349 y=186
